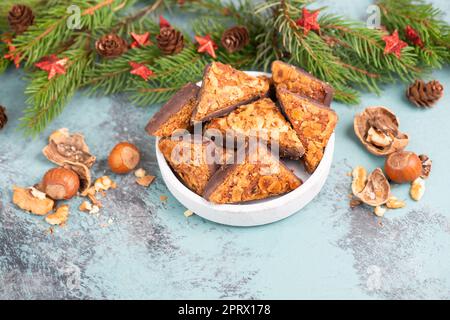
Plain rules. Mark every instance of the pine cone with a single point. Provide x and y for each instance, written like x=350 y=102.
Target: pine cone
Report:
x=3 y=117
x=20 y=17
x=425 y=94
x=111 y=46
x=235 y=38
x=170 y=41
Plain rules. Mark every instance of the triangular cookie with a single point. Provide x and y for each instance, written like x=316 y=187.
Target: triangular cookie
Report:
x=313 y=122
x=262 y=120
x=258 y=176
x=194 y=159
x=299 y=81
x=175 y=114
x=224 y=89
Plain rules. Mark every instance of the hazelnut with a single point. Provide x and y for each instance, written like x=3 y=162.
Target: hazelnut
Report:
x=60 y=183
x=403 y=166
x=123 y=158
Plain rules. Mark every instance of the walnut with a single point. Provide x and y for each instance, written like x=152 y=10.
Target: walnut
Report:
x=59 y=217
x=30 y=199
x=378 y=130
x=426 y=166
x=359 y=175
x=377 y=189
x=394 y=203
x=71 y=151
x=417 y=189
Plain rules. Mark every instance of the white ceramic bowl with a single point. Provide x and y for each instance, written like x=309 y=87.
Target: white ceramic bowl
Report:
x=258 y=212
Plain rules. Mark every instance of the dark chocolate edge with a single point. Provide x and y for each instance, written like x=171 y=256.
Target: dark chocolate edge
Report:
x=225 y=111
x=175 y=104
x=312 y=101
x=329 y=90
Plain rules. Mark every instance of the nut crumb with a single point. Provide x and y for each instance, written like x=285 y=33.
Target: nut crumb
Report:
x=85 y=206
x=59 y=217
x=379 y=211
x=417 y=189
x=95 y=201
x=188 y=213
x=394 y=203
x=355 y=203
x=140 y=173
x=95 y=209
x=145 y=181
x=163 y=198
x=103 y=184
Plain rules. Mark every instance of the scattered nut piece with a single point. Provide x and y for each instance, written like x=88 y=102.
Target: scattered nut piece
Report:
x=379 y=211
x=103 y=183
x=359 y=175
x=378 y=138
x=59 y=217
x=37 y=194
x=95 y=209
x=163 y=198
x=140 y=173
x=377 y=189
x=355 y=203
x=394 y=203
x=188 y=213
x=23 y=198
x=426 y=166
x=417 y=189
x=85 y=206
x=145 y=181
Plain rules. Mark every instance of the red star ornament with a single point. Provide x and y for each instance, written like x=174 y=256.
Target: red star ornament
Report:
x=206 y=44
x=394 y=44
x=15 y=58
x=53 y=65
x=140 y=40
x=413 y=36
x=140 y=70
x=308 y=21
x=163 y=23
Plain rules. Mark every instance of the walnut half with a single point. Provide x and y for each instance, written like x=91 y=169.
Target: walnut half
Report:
x=378 y=130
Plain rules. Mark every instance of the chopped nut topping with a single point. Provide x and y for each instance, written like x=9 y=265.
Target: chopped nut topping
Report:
x=394 y=203
x=145 y=181
x=379 y=211
x=59 y=217
x=417 y=189
x=140 y=173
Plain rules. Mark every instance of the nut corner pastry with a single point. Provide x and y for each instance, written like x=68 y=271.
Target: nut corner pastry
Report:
x=193 y=158
x=262 y=120
x=224 y=89
x=313 y=122
x=259 y=175
x=175 y=114
x=300 y=81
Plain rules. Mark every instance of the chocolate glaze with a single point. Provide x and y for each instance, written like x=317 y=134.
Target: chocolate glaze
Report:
x=175 y=104
x=329 y=90
x=310 y=100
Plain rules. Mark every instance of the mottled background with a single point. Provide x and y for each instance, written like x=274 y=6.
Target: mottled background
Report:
x=142 y=248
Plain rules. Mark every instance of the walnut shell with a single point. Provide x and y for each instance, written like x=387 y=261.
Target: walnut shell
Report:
x=71 y=151
x=378 y=130
x=377 y=190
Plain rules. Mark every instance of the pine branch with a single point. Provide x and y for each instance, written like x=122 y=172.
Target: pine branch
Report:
x=427 y=21
x=47 y=98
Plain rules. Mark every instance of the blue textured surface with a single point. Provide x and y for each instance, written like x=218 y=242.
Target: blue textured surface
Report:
x=151 y=250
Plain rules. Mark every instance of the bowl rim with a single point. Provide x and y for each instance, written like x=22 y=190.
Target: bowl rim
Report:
x=269 y=203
